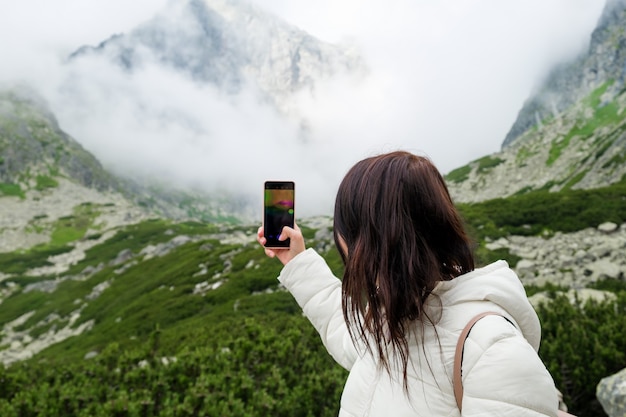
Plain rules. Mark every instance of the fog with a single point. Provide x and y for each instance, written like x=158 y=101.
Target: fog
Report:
x=445 y=79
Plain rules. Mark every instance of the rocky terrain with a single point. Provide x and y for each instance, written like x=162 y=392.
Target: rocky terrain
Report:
x=19 y=344
x=570 y=134
x=584 y=147
x=30 y=221
x=571 y=261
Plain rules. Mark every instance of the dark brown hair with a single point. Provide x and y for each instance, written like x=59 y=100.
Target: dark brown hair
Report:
x=403 y=234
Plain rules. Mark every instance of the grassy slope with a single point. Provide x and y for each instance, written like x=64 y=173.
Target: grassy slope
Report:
x=150 y=309
x=159 y=291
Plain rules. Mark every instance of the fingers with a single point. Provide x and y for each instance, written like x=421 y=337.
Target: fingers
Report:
x=260 y=236
x=288 y=232
x=284 y=254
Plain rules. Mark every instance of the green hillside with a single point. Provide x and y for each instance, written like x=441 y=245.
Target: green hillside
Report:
x=179 y=320
x=222 y=343
x=580 y=148
x=35 y=152
x=37 y=155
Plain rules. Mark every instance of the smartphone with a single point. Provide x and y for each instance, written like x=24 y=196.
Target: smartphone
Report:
x=278 y=211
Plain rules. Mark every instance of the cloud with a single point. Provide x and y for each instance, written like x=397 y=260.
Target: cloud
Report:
x=446 y=79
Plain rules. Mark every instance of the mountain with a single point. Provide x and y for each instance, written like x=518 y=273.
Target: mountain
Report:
x=230 y=45
x=197 y=84
x=570 y=134
x=47 y=180
x=34 y=148
x=569 y=83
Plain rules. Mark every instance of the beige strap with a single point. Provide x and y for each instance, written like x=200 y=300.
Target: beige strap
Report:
x=457 y=382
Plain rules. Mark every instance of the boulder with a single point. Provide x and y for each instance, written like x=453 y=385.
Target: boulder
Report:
x=602 y=269
x=611 y=392
x=608 y=227
x=585 y=294
x=122 y=257
x=525 y=265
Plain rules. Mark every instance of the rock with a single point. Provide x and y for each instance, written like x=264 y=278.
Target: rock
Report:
x=608 y=227
x=203 y=287
x=44 y=209
x=43 y=286
x=98 y=290
x=582 y=295
x=207 y=247
x=122 y=257
x=324 y=234
x=603 y=268
x=585 y=294
x=540 y=298
x=180 y=240
x=611 y=392
x=525 y=265
x=498 y=244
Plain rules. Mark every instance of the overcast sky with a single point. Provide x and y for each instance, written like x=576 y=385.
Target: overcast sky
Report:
x=446 y=80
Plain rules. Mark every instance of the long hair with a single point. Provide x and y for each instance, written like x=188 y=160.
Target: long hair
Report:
x=399 y=234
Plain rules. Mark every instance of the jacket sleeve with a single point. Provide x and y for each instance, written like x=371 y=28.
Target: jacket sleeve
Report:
x=311 y=282
x=503 y=374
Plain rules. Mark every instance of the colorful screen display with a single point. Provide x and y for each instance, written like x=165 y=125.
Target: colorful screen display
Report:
x=279 y=211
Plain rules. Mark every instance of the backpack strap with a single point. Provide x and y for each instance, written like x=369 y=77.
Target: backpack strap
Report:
x=457 y=382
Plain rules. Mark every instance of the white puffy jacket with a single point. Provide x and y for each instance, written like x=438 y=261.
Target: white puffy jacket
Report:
x=502 y=373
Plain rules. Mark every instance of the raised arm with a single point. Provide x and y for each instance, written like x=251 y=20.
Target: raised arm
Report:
x=311 y=282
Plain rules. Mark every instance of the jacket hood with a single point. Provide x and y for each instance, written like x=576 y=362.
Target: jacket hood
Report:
x=494 y=287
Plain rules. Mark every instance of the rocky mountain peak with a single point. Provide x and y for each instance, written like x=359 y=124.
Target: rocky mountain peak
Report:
x=230 y=45
x=570 y=82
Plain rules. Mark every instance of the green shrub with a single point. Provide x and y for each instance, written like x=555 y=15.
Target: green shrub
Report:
x=603 y=116
x=11 y=190
x=536 y=212
x=459 y=174
x=272 y=365
x=487 y=163
x=20 y=262
x=583 y=343
x=44 y=182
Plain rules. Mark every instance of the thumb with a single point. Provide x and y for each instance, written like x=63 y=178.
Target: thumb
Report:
x=286 y=233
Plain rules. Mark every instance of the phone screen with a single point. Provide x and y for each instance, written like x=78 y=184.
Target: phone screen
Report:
x=279 y=211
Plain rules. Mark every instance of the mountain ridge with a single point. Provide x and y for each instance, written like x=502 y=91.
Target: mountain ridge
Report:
x=31 y=140
x=230 y=45
x=570 y=135
x=570 y=82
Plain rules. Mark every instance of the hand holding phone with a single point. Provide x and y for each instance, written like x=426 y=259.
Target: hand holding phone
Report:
x=278 y=212
x=284 y=255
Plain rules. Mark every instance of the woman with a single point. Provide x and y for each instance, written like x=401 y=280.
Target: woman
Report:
x=408 y=289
